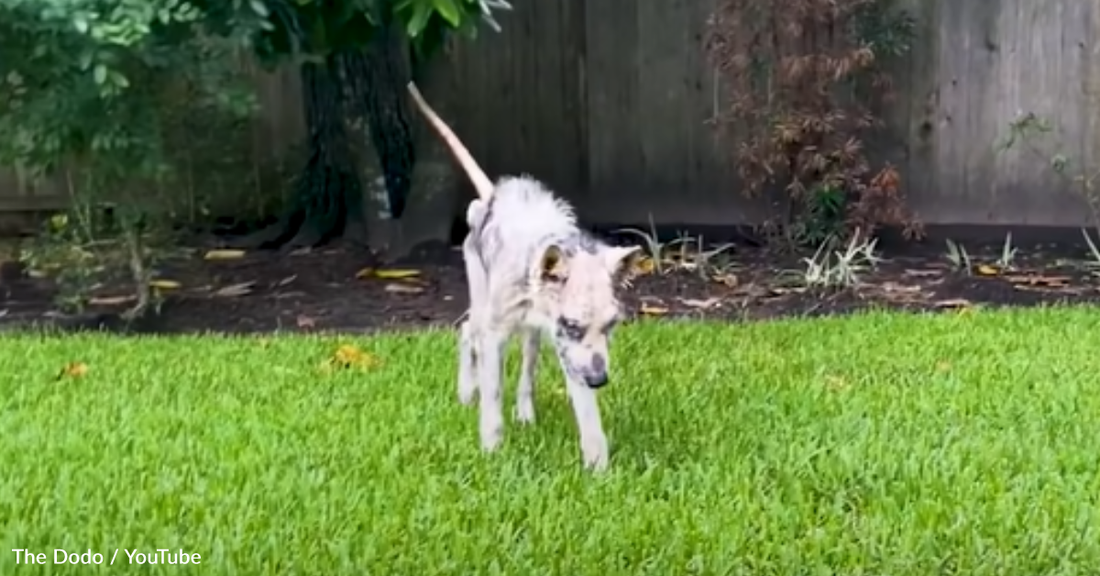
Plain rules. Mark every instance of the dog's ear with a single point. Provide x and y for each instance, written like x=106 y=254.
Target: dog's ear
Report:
x=622 y=261
x=552 y=265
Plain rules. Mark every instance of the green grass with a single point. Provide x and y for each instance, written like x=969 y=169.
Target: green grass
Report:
x=876 y=444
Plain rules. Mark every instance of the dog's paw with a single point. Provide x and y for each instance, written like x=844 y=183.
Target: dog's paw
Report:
x=467 y=392
x=525 y=412
x=595 y=453
x=492 y=437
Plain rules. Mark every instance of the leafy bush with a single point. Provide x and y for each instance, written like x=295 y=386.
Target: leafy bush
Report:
x=805 y=79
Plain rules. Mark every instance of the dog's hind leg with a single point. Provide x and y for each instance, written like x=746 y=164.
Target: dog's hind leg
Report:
x=491 y=344
x=467 y=363
x=525 y=394
x=469 y=337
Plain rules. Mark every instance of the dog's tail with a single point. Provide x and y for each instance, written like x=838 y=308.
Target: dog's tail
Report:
x=482 y=183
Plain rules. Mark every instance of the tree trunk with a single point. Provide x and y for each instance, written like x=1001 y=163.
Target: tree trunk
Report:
x=410 y=179
x=376 y=174
x=326 y=192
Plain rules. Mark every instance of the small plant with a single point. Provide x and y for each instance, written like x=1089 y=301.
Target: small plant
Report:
x=654 y=249
x=1026 y=131
x=835 y=269
x=683 y=253
x=1094 y=252
x=1008 y=254
x=959 y=257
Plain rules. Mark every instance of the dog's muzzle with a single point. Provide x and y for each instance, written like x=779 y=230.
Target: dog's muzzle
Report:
x=596 y=374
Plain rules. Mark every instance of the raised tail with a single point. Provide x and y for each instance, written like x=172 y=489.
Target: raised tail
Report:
x=482 y=183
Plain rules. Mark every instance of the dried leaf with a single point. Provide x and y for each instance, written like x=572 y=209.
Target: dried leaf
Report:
x=702 y=304
x=726 y=279
x=73 y=370
x=111 y=300
x=923 y=273
x=224 y=254
x=987 y=270
x=396 y=288
x=954 y=303
x=164 y=284
x=234 y=290
x=305 y=322
x=651 y=310
x=1035 y=280
x=364 y=273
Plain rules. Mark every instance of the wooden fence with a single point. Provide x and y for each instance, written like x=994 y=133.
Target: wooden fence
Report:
x=607 y=100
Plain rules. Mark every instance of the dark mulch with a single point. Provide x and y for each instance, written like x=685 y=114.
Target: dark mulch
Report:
x=320 y=291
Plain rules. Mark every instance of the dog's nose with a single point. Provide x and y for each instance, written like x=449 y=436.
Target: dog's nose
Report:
x=596 y=379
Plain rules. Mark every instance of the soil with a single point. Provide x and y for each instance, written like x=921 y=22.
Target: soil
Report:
x=335 y=290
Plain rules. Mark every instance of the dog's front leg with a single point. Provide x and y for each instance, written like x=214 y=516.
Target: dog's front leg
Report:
x=490 y=387
x=587 y=410
x=525 y=394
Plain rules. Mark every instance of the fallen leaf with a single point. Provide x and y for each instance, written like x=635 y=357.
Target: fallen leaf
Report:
x=348 y=356
x=1037 y=280
x=987 y=270
x=726 y=279
x=650 y=310
x=286 y=281
x=890 y=286
x=644 y=265
x=954 y=303
x=305 y=322
x=396 y=274
x=165 y=284
x=111 y=300
x=836 y=383
x=73 y=370
x=224 y=254
x=396 y=288
x=364 y=273
x=4 y=312
x=703 y=304
x=235 y=290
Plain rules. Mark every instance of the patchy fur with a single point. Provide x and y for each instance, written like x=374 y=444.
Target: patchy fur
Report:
x=534 y=273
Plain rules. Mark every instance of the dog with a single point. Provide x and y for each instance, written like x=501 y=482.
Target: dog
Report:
x=533 y=272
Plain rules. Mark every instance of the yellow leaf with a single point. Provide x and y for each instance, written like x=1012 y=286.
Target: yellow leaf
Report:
x=224 y=255
x=396 y=274
x=987 y=270
x=348 y=356
x=650 y=310
x=73 y=370
x=165 y=284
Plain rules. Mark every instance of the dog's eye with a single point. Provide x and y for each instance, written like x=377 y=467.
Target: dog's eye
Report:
x=571 y=329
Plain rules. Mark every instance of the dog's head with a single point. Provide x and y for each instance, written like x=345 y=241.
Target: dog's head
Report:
x=575 y=285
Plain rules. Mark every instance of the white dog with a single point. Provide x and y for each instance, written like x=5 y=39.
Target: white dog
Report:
x=533 y=272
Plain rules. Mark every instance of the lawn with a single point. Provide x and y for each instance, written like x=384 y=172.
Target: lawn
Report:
x=873 y=444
